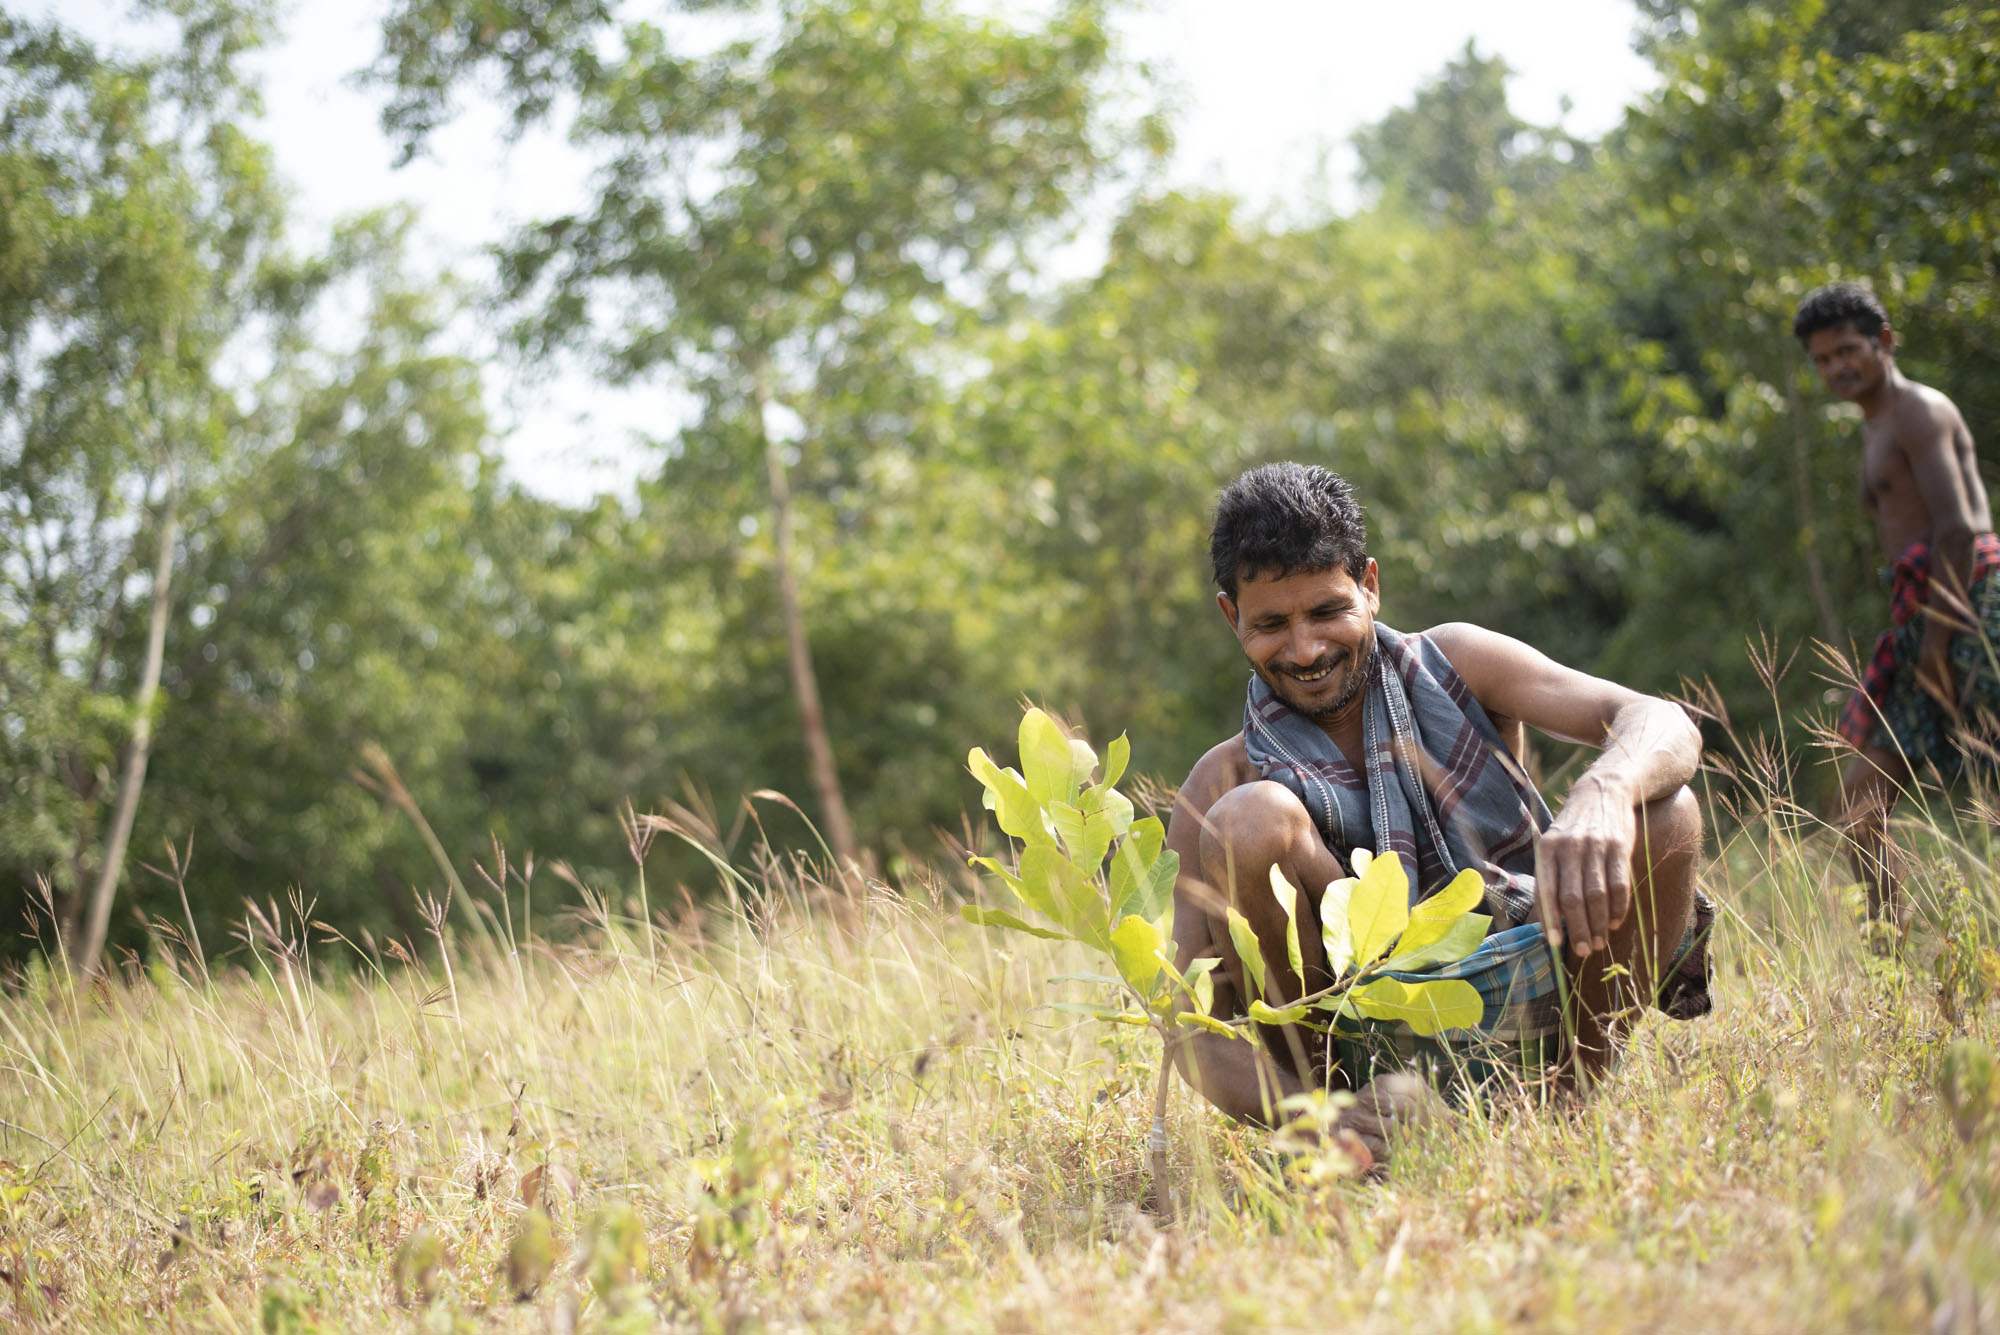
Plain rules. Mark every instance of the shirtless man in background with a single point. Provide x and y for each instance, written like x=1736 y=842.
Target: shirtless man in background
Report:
x=1929 y=692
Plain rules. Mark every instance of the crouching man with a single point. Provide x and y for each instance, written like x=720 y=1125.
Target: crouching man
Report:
x=1356 y=736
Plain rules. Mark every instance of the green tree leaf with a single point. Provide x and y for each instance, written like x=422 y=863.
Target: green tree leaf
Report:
x=986 y=917
x=1287 y=896
x=1334 y=931
x=1428 y=1008
x=1156 y=897
x=1460 y=939
x=1133 y=867
x=1200 y=1020
x=1264 y=1014
x=1087 y=836
x=1248 y=950
x=1378 y=908
x=1045 y=882
x=1046 y=759
x=1135 y=949
x=1199 y=983
x=1112 y=805
x=1432 y=918
x=1116 y=757
x=1108 y=1014
x=1082 y=763
x=1008 y=798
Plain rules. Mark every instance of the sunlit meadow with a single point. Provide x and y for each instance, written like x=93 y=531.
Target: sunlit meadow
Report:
x=789 y=1107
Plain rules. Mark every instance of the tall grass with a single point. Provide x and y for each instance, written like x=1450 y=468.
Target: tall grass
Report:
x=780 y=1105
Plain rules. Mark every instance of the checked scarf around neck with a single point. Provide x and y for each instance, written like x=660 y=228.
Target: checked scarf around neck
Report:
x=1438 y=789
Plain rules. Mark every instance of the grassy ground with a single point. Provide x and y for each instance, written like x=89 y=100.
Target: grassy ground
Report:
x=757 y=1118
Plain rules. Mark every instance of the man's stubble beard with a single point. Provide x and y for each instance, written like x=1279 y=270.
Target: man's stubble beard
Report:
x=1355 y=679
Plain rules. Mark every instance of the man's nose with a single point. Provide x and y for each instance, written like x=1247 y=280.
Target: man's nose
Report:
x=1308 y=646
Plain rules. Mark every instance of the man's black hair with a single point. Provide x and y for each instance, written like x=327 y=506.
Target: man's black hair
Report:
x=1839 y=304
x=1281 y=519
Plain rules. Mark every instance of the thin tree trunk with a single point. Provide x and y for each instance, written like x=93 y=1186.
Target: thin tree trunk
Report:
x=805 y=682
x=1829 y=621
x=137 y=750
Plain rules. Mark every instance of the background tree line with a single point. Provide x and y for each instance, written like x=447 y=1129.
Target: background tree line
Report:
x=921 y=480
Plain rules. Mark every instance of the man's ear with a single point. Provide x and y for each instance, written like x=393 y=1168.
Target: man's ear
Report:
x=1228 y=606
x=1886 y=340
x=1371 y=581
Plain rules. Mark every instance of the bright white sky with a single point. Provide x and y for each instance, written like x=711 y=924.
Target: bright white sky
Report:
x=1265 y=89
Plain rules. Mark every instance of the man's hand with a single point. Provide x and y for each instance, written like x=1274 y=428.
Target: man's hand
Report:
x=1583 y=866
x=1934 y=664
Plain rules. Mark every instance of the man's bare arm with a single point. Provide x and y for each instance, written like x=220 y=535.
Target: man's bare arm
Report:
x=1650 y=750
x=1926 y=432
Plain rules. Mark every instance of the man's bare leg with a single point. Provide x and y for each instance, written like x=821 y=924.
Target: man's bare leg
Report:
x=1613 y=987
x=1248 y=831
x=1869 y=786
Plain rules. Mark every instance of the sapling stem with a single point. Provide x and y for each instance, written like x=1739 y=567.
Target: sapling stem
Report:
x=1156 y=1143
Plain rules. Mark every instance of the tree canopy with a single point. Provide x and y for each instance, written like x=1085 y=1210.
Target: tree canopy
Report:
x=922 y=479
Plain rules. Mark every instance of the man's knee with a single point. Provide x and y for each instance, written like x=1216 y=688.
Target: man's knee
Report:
x=1670 y=825
x=1251 y=826
x=1663 y=863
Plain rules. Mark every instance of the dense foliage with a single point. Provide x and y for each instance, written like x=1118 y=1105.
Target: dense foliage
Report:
x=1558 y=371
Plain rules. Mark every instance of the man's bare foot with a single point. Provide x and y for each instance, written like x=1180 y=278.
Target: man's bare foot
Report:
x=1387 y=1108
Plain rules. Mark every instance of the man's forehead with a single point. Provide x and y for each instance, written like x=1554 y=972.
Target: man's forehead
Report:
x=1831 y=337
x=1274 y=588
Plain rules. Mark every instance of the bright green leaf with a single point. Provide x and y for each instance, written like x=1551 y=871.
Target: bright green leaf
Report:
x=1201 y=1020
x=1248 y=950
x=1043 y=886
x=1287 y=896
x=1286 y=1015
x=1428 y=1008
x=1086 y=836
x=1135 y=948
x=1117 y=807
x=1082 y=763
x=994 y=868
x=1334 y=932
x=1046 y=758
x=1109 y=1014
x=1199 y=982
x=1156 y=895
x=1459 y=940
x=1073 y=893
x=1431 y=919
x=1133 y=867
x=1378 y=908
x=985 y=917
x=1008 y=798
x=1116 y=757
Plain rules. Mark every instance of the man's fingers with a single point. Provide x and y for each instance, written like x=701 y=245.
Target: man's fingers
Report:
x=1570 y=892
x=1618 y=889
x=1546 y=882
x=1596 y=909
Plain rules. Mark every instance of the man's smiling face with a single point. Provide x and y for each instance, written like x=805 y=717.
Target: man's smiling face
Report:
x=1309 y=635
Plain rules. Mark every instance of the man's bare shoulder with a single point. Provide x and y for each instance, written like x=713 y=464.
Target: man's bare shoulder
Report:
x=1923 y=417
x=1224 y=766
x=1467 y=647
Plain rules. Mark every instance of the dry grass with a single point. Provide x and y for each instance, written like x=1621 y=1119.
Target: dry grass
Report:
x=762 y=1118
